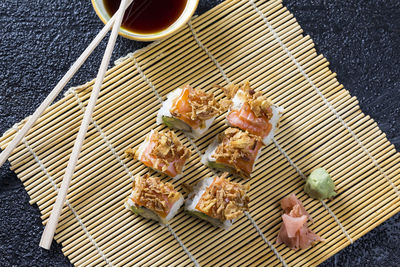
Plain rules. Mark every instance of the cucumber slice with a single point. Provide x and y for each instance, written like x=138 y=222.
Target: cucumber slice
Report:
x=225 y=168
x=198 y=214
x=217 y=223
x=222 y=167
x=136 y=210
x=176 y=123
x=146 y=213
x=205 y=217
x=219 y=166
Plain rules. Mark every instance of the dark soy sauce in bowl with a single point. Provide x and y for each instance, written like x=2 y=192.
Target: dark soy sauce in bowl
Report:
x=148 y=16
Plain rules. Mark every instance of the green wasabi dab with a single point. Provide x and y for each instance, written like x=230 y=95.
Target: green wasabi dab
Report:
x=319 y=185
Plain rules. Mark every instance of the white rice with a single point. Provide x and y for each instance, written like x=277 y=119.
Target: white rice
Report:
x=164 y=111
x=237 y=103
x=200 y=131
x=193 y=199
x=167 y=104
x=174 y=209
x=207 y=157
x=276 y=115
x=144 y=144
x=198 y=191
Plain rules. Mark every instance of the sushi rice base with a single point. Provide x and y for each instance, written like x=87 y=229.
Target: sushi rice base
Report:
x=237 y=103
x=194 y=198
x=165 y=111
x=150 y=214
x=142 y=148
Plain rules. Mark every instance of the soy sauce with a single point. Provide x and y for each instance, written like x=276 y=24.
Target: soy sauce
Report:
x=148 y=16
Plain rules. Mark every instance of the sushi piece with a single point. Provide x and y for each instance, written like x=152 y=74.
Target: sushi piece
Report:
x=154 y=199
x=218 y=201
x=190 y=110
x=252 y=112
x=163 y=152
x=319 y=185
x=294 y=230
x=234 y=151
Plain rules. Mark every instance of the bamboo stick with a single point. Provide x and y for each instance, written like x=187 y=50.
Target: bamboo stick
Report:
x=47 y=236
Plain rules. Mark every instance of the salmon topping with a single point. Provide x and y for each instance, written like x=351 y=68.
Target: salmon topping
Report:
x=223 y=199
x=238 y=149
x=163 y=152
x=194 y=107
x=245 y=119
x=254 y=114
x=153 y=194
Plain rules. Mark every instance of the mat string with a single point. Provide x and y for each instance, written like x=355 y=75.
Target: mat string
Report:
x=253 y=222
x=55 y=187
x=105 y=138
x=228 y=81
x=215 y=172
x=153 y=55
x=273 y=139
x=191 y=257
x=300 y=68
x=113 y=151
x=150 y=84
x=304 y=178
x=207 y=52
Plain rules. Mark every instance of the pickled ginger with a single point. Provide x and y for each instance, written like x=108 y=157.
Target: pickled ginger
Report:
x=294 y=231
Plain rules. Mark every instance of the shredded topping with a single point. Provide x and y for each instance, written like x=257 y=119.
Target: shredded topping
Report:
x=236 y=145
x=259 y=104
x=223 y=199
x=203 y=105
x=153 y=194
x=166 y=148
x=133 y=152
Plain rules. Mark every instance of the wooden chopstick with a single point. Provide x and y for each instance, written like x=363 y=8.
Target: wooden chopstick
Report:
x=60 y=85
x=51 y=225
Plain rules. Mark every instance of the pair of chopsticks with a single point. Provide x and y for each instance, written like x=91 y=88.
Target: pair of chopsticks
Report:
x=115 y=23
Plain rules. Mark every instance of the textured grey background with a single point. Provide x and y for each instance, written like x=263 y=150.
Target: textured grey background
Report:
x=39 y=40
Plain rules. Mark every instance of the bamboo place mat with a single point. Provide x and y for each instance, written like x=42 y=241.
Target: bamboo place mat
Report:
x=322 y=126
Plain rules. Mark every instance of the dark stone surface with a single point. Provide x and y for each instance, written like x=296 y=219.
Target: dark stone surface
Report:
x=39 y=40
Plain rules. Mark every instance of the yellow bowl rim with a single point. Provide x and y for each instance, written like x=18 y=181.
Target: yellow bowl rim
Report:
x=143 y=36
